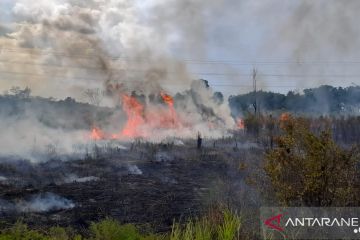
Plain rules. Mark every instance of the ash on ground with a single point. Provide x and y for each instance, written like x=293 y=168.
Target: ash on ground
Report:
x=143 y=183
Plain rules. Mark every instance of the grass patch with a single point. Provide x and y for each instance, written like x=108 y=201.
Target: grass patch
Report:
x=225 y=226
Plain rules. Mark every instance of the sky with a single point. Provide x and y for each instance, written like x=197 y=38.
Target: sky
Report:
x=292 y=44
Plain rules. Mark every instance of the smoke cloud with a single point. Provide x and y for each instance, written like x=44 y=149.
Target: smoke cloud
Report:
x=133 y=48
x=104 y=41
x=118 y=50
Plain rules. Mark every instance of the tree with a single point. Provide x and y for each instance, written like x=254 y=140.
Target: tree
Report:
x=95 y=96
x=18 y=92
x=311 y=170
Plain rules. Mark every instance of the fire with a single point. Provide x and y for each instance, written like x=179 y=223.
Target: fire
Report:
x=97 y=134
x=169 y=100
x=141 y=121
x=284 y=117
x=134 y=111
x=240 y=123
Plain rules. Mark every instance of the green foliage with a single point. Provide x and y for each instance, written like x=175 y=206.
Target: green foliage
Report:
x=207 y=228
x=112 y=230
x=309 y=169
x=203 y=230
x=324 y=99
x=21 y=232
x=58 y=233
x=230 y=227
x=175 y=232
x=189 y=231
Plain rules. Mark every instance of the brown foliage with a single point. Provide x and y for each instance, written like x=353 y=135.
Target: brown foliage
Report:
x=312 y=170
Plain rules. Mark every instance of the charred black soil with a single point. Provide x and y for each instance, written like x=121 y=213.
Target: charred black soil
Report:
x=146 y=184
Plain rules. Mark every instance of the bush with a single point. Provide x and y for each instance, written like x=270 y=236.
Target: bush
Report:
x=21 y=232
x=112 y=230
x=311 y=170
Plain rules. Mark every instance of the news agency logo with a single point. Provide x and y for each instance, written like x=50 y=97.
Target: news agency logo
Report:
x=310 y=223
x=275 y=223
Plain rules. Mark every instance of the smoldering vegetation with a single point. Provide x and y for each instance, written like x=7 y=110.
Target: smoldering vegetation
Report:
x=136 y=138
x=39 y=129
x=149 y=183
x=44 y=202
x=146 y=183
x=36 y=128
x=106 y=54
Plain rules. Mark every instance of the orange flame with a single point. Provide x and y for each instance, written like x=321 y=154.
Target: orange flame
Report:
x=139 y=120
x=134 y=111
x=174 y=120
x=97 y=134
x=240 y=123
x=284 y=117
x=167 y=99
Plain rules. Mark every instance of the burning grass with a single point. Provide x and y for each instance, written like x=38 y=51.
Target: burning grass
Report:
x=138 y=120
x=149 y=184
x=158 y=117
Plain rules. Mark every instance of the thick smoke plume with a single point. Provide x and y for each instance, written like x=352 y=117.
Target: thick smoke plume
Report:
x=121 y=54
x=89 y=43
x=110 y=54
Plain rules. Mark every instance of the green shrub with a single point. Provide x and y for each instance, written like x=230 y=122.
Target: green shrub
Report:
x=112 y=230
x=21 y=232
x=58 y=233
x=224 y=228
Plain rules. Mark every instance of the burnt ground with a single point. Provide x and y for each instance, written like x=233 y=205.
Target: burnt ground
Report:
x=146 y=184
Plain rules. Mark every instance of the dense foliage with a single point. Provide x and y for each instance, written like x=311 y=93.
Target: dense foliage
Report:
x=311 y=169
x=345 y=130
x=322 y=100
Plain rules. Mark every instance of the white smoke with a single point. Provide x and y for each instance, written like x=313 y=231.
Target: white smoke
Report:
x=28 y=138
x=3 y=179
x=44 y=203
x=72 y=178
x=95 y=31
x=134 y=170
x=74 y=45
x=117 y=46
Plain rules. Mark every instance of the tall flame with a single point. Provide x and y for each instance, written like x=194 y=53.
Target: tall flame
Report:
x=134 y=111
x=140 y=122
x=174 y=120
